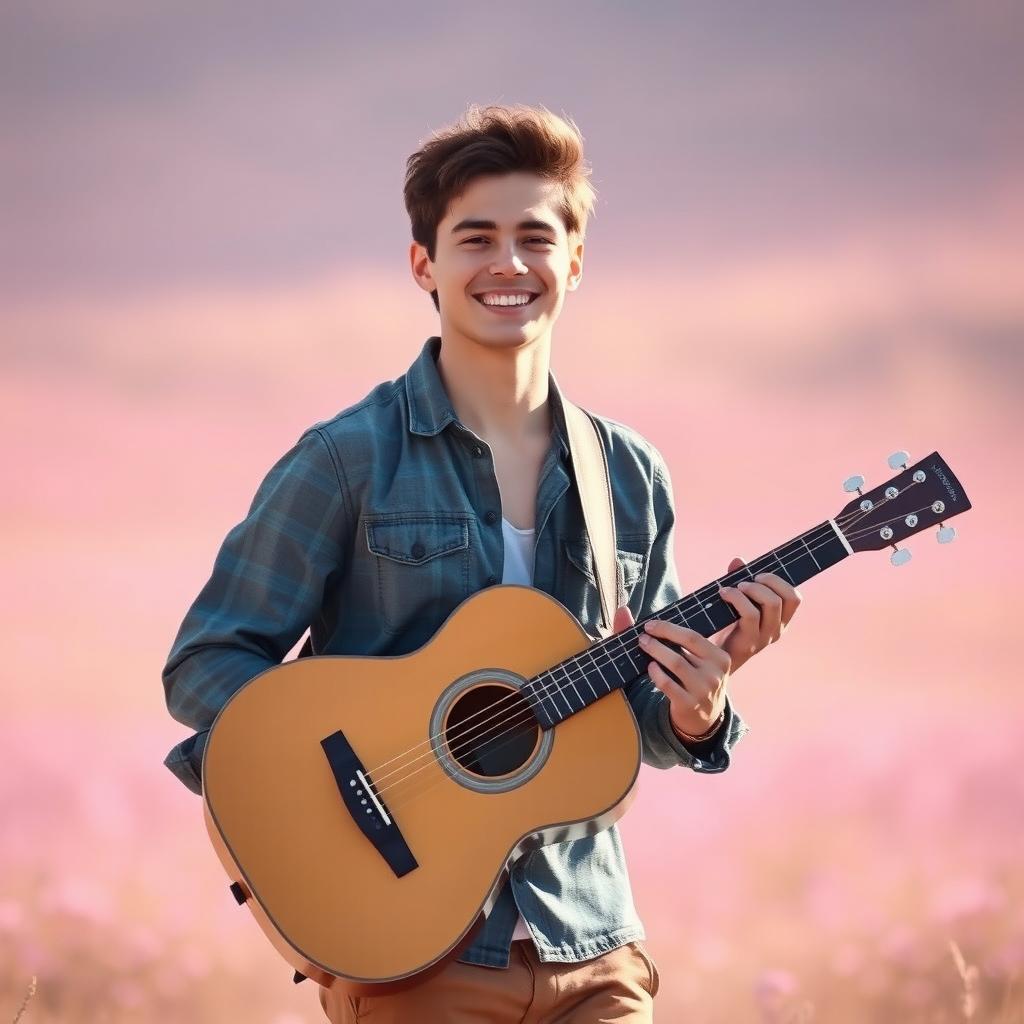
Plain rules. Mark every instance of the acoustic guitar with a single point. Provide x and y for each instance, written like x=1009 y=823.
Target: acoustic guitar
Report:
x=367 y=810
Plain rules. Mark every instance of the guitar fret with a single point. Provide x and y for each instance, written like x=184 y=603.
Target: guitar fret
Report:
x=811 y=553
x=624 y=654
x=615 y=666
x=782 y=567
x=704 y=612
x=562 y=689
x=798 y=560
x=579 y=696
x=548 y=694
x=716 y=609
x=585 y=673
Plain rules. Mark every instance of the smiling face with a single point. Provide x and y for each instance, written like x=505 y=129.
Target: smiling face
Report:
x=502 y=262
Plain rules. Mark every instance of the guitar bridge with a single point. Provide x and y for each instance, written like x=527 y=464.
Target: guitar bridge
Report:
x=368 y=811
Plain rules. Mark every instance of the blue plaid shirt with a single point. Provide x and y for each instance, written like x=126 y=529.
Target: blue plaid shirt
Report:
x=369 y=532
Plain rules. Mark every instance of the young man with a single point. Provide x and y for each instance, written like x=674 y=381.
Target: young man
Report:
x=456 y=476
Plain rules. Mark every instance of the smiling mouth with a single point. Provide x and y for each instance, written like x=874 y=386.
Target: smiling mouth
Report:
x=508 y=305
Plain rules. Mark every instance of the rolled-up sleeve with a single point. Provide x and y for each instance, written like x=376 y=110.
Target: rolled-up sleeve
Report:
x=266 y=588
x=661 y=747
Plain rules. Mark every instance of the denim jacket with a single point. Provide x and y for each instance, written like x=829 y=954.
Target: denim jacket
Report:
x=369 y=532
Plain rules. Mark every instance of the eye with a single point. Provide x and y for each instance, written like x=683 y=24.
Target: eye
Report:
x=480 y=238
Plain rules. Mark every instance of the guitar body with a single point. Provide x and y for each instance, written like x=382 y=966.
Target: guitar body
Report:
x=465 y=803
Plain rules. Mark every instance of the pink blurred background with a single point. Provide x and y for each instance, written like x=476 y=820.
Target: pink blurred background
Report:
x=807 y=253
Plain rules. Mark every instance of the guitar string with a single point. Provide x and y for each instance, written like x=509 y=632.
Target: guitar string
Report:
x=558 y=688
x=554 y=687
x=606 y=657
x=509 y=722
x=406 y=797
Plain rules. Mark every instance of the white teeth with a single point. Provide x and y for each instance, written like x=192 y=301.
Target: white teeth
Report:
x=505 y=300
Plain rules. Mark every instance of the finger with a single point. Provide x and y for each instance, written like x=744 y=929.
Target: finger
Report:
x=770 y=605
x=697 y=681
x=748 y=612
x=790 y=596
x=680 y=663
x=692 y=641
x=677 y=694
x=622 y=619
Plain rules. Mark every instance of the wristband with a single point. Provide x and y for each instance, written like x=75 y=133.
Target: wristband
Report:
x=706 y=735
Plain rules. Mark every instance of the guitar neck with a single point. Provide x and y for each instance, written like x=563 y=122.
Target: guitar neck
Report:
x=618 y=660
x=921 y=496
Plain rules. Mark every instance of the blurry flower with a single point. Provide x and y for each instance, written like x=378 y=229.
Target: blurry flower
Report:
x=142 y=946
x=897 y=945
x=77 y=897
x=773 y=982
x=36 y=958
x=965 y=897
x=1007 y=960
x=11 y=916
x=103 y=807
x=773 y=990
x=918 y=992
x=709 y=952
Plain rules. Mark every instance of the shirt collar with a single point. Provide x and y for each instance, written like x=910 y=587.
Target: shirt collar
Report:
x=430 y=409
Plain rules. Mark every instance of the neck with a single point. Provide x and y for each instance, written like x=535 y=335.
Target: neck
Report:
x=498 y=391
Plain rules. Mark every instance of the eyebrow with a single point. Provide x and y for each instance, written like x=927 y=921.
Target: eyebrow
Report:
x=489 y=225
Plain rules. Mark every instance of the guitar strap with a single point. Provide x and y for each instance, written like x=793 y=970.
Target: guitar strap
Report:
x=590 y=467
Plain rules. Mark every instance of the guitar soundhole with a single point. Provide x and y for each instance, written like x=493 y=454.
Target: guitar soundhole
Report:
x=490 y=731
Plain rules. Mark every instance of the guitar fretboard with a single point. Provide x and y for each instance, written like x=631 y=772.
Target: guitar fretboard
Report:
x=610 y=664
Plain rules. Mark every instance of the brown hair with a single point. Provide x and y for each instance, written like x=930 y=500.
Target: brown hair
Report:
x=497 y=140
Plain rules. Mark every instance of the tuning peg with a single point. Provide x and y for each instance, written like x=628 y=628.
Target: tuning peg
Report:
x=899 y=556
x=854 y=483
x=899 y=460
x=945 y=533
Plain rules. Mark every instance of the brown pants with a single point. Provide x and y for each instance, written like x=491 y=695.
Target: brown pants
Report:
x=617 y=986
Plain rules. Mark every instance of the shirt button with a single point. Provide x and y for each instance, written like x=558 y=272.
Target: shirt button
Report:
x=491 y=580
x=491 y=517
x=477 y=451
x=417 y=550
x=698 y=763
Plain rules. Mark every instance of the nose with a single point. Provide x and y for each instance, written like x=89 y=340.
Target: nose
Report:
x=508 y=262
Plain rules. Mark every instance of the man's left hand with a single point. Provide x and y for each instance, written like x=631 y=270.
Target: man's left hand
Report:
x=692 y=670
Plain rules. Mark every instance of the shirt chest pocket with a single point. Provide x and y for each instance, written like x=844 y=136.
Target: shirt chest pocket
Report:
x=633 y=564
x=422 y=562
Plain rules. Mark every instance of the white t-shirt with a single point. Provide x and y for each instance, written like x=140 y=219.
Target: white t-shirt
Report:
x=518 y=569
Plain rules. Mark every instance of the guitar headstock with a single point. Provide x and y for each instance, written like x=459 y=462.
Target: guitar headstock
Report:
x=923 y=495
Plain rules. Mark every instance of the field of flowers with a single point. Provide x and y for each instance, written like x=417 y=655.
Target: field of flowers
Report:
x=845 y=878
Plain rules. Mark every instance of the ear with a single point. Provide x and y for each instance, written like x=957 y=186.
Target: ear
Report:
x=572 y=282
x=420 y=263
